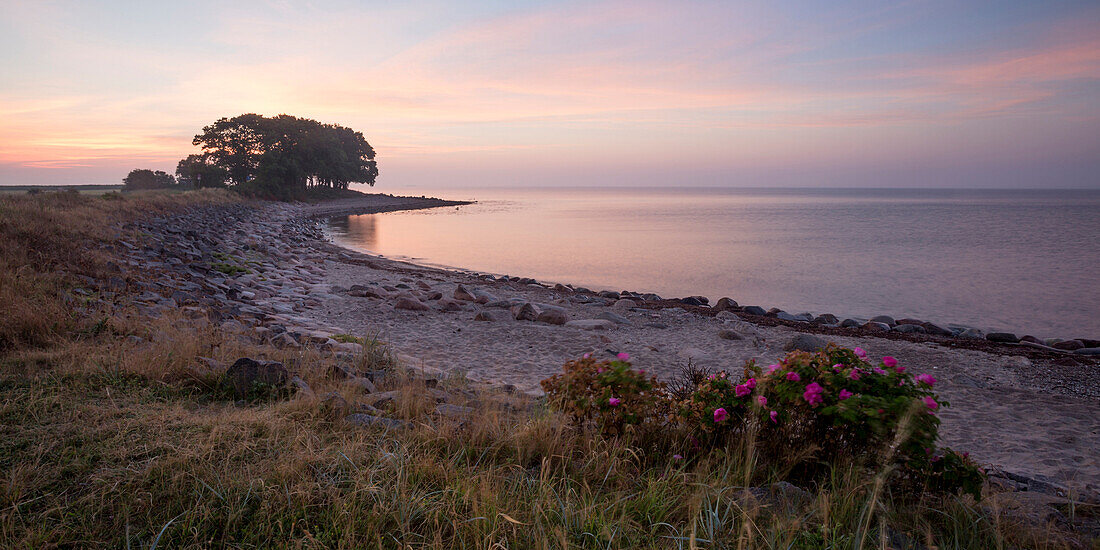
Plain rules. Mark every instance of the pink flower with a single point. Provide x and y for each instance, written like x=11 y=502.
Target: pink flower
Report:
x=837 y=367
x=587 y=355
x=926 y=379
x=599 y=370
x=899 y=370
x=889 y=361
x=860 y=353
x=677 y=457
x=845 y=394
x=813 y=392
x=712 y=377
x=623 y=356
x=773 y=368
x=614 y=401
x=931 y=403
x=750 y=383
x=742 y=390
x=762 y=401
x=775 y=416
x=879 y=371
x=641 y=372
x=793 y=376
x=720 y=414
x=854 y=375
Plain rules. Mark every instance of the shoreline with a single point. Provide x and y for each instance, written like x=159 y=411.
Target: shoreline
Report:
x=880 y=326
x=1023 y=411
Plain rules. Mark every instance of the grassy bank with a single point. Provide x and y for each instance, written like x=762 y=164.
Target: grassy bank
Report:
x=116 y=434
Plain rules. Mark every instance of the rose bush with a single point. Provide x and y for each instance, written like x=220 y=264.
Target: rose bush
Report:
x=609 y=394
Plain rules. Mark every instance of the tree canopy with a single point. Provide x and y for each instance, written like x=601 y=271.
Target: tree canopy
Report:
x=148 y=179
x=278 y=156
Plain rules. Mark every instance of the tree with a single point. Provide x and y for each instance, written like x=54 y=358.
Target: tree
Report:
x=196 y=171
x=148 y=179
x=282 y=155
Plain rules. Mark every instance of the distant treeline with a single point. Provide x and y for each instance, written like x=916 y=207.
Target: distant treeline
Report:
x=278 y=157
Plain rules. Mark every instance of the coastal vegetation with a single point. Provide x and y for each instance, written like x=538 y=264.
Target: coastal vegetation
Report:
x=124 y=430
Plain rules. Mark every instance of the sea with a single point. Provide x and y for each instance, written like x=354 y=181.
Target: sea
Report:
x=1023 y=261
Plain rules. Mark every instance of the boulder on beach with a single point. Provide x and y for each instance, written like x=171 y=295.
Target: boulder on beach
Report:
x=875 y=326
x=805 y=342
x=1002 y=337
x=464 y=295
x=484 y=316
x=972 y=333
x=410 y=304
x=909 y=329
x=624 y=303
x=1068 y=345
x=826 y=319
x=525 y=312
x=754 y=310
x=553 y=317
x=724 y=304
x=884 y=319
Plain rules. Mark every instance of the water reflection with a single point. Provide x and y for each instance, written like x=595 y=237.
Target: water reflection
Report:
x=361 y=229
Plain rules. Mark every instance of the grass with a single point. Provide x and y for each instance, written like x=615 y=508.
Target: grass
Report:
x=112 y=441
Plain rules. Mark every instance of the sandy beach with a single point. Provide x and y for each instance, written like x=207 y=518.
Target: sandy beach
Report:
x=1022 y=410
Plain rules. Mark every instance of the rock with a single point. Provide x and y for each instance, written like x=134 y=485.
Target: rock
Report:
x=907 y=321
x=725 y=304
x=884 y=319
x=591 y=324
x=484 y=316
x=525 y=312
x=464 y=295
x=561 y=288
x=624 y=303
x=1087 y=351
x=692 y=301
x=383 y=398
x=608 y=294
x=972 y=333
x=449 y=305
x=410 y=304
x=301 y=386
x=363 y=383
x=423 y=286
x=361 y=419
x=1068 y=345
x=726 y=315
x=1002 y=337
x=1031 y=339
x=826 y=319
x=909 y=329
x=246 y=374
x=553 y=317
x=212 y=364
x=365 y=293
x=933 y=328
x=754 y=310
x=850 y=323
x=353 y=348
x=334 y=404
x=727 y=334
x=875 y=326
x=483 y=297
x=1089 y=342
x=805 y=342
x=614 y=317
x=783 y=315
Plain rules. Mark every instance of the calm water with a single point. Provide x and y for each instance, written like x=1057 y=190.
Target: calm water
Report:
x=1026 y=261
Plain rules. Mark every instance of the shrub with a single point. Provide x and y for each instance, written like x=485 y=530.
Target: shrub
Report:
x=609 y=394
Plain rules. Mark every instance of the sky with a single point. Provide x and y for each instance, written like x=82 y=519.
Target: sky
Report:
x=590 y=93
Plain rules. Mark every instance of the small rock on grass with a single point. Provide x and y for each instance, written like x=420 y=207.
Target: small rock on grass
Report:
x=246 y=373
x=361 y=419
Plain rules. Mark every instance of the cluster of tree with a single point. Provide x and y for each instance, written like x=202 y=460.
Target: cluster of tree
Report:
x=148 y=179
x=279 y=157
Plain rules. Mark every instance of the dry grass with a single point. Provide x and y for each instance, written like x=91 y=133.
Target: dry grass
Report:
x=106 y=441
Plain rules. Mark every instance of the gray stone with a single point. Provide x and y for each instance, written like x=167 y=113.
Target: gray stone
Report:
x=464 y=295
x=1087 y=351
x=850 y=323
x=826 y=319
x=410 y=304
x=608 y=294
x=783 y=315
x=909 y=329
x=449 y=305
x=1002 y=337
x=246 y=374
x=727 y=334
x=933 y=328
x=885 y=319
x=726 y=315
x=453 y=411
x=591 y=324
x=754 y=310
x=805 y=342
x=725 y=304
x=553 y=317
x=1069 y=345
x=972 y=333
x=614 y=317
x=335 y=404
x=525 y=312
x=484 y=316
x=875 y=326
x=624 y=304
x=301 y=386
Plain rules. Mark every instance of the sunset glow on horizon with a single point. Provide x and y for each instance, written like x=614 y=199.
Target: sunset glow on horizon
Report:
x=914 y=94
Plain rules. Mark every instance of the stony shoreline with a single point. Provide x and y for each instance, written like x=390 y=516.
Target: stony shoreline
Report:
x=266 y=272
